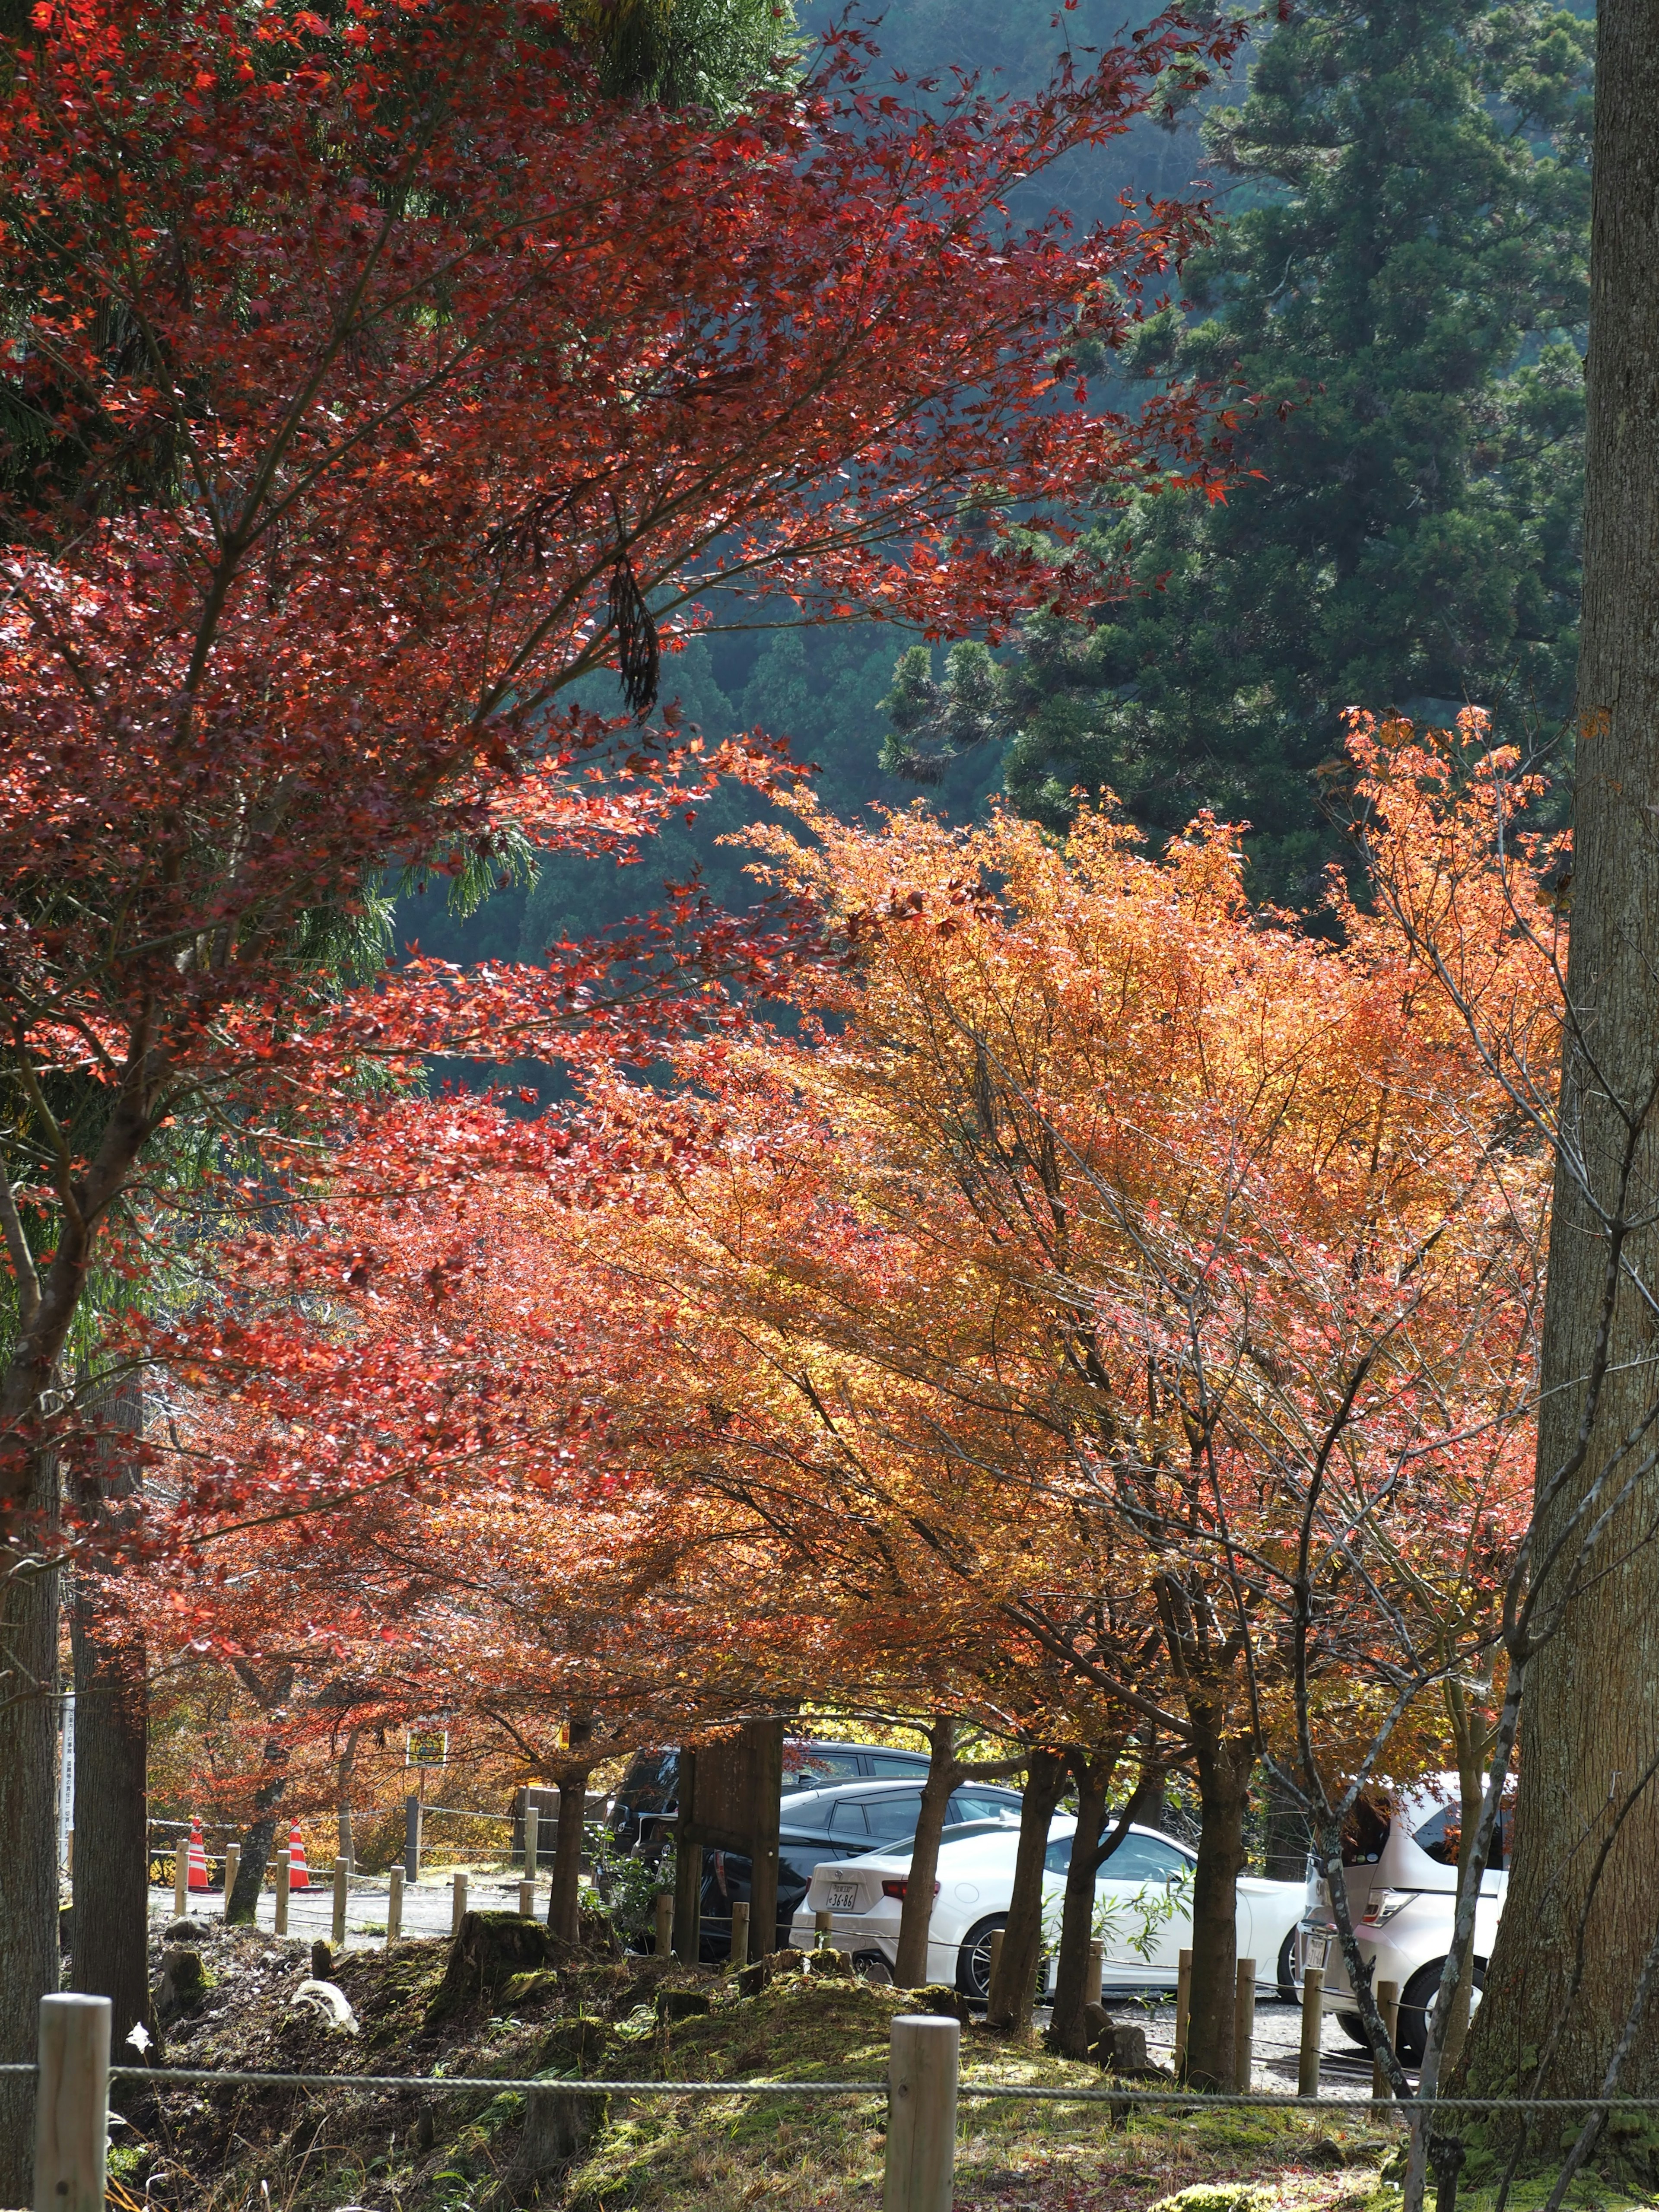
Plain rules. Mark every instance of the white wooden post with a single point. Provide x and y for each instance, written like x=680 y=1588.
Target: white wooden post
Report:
x=526 y=1900
x=664 y=1923
x=342 y=1884
x=284 y=1870
x=394 y=1906
x=181 y=1881
x=922 y=2066
x=1092 y=1979
x=1313 y=2027
x=458 y=1908
x=1388 y=2003
x=532 y=1823
x=740 y=1932
x=823 y=1927
x=233 y=1862
x=72 y=2110
x=1244 y=2024
x=1183 y=2010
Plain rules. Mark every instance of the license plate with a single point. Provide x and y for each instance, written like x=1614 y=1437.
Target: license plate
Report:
x=1319 y=1948
x=843 y=1897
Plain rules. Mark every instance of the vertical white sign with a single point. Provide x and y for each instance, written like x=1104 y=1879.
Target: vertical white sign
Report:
x=66 y=1781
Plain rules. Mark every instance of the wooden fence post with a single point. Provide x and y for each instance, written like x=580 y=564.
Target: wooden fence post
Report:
x=1313 y=2028
x=394 y=1906
x=740 y=1931
x=664 y=1923
x=1244 y=2024
x=1092 y=1979
x=342 y=1883
x=532 y=1841
x=233 y=1862
x=458 y=1905
x=71 y=2104
x=1388 y=2003
x=922 y=2067
x=823 y=1927
x=992 y=1964
x=284 y=1869
x=181 y=1881
x=526 y=1900
x=1183 y=2010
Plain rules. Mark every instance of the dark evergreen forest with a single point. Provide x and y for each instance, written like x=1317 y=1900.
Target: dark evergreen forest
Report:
x=1401 y=274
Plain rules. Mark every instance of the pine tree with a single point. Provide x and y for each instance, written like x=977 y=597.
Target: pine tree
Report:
x=1403 y=280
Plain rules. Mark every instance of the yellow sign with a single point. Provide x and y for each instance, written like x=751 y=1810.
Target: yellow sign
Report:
x=428 y=1747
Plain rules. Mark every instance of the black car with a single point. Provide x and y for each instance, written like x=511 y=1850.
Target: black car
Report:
x=842 y=1822
x=641 y=1812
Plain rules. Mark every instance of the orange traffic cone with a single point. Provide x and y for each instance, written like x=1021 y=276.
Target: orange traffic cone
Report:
x=198 y=1865
x=298 y=1876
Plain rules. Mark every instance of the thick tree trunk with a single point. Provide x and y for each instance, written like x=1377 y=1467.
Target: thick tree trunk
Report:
x=1224 y=1767
x=29 y=1857
x=112 y=1880
x=916 y=1913
x=1590 y=1721
x=564 y=1904
x=343 y=1770
x=110 y=1956
x=1065 y=2028
x=1012 y=1993
x=1288 y=1839
x=243 y=1903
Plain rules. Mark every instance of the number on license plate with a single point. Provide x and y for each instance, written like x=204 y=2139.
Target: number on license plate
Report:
x=843 y=1897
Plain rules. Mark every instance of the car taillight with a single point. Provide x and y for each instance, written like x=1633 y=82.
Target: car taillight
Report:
x=899 y=1889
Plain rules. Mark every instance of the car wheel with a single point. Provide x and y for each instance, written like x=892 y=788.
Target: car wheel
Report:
x=1413 y=2032
x=1354 y=2028
x=1287 y=1979
x=973 y=1959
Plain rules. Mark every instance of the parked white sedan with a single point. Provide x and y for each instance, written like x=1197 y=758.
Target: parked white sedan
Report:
x=1143 y=1898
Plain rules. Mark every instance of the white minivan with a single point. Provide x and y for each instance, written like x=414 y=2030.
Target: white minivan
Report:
x=1400 y=1869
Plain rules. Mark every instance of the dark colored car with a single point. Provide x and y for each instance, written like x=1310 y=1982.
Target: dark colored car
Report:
x=841 y=1822
x=642 y=1810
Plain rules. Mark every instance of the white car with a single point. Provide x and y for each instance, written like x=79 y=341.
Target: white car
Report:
x=865 y=1896
x=1400 y=1874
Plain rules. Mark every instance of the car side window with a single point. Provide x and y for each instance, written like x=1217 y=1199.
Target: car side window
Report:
x=848 y=1820
x=817 y=1767
x=892 y=1765
x=979 y=1805
x=1144 y=1858
x=894 y=1817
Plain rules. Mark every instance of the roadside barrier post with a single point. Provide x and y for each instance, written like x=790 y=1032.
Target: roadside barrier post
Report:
x=342 y=1883
x=181 y=1879
x=233 y=1865
x=458 y=1909
x=394 y=1906
x=1244 y=2024
x=823 y=1927
x=1097 y=1970
x=664 y=1923
x=532 y=1854
x=71 y=2107
x=284 y=1863
x=526 y=1900
x=1313 y=2024
x=1388 y=2003
x=1183 y=2010
x=922 y=2067
x=412 y=1838
x=740 y=1932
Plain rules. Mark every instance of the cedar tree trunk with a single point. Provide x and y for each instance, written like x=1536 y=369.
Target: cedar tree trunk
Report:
x=112 y=1754
x=564 y=1904
x=1012 y=1993
x=29 y=1965
x=242 y=1904
x=1589 y=1730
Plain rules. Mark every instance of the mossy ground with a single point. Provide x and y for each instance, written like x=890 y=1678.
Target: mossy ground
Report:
x=303 y=2150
